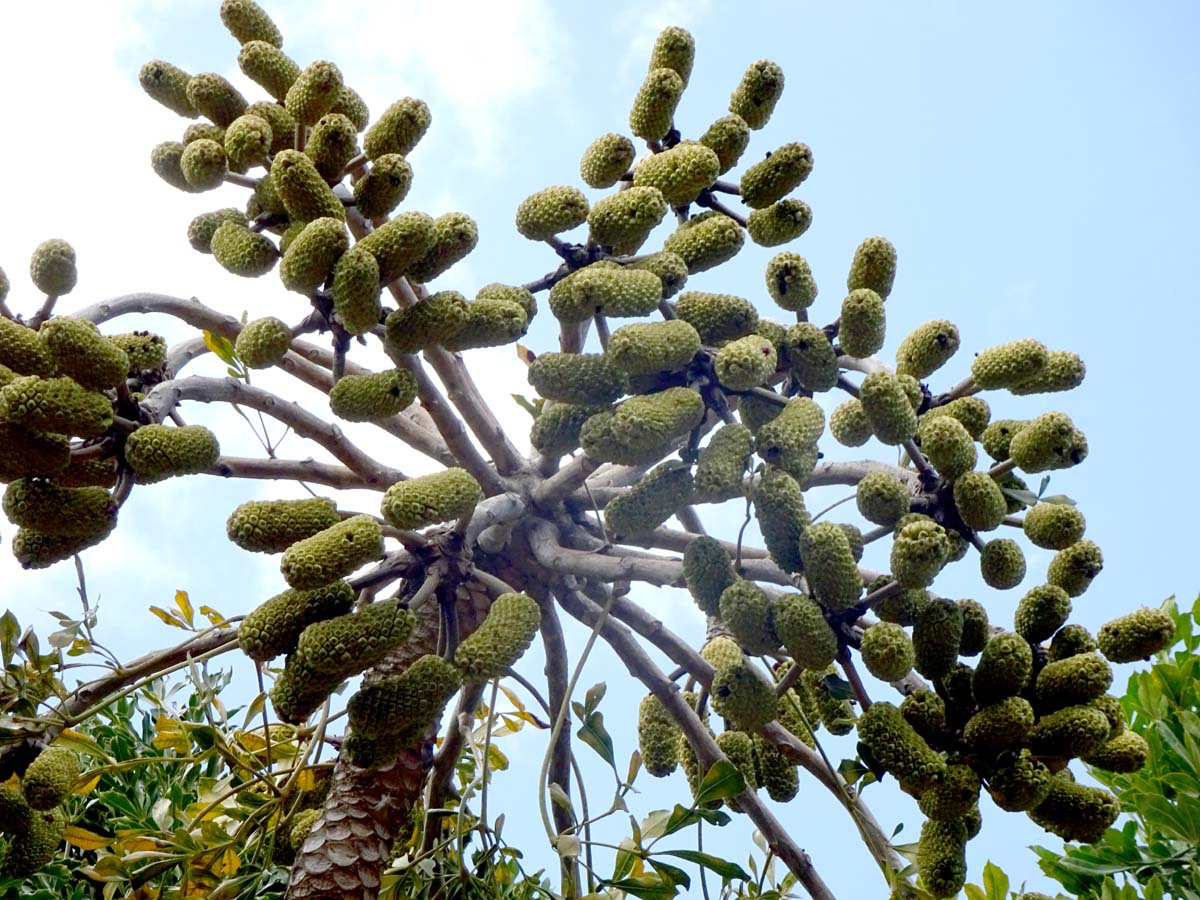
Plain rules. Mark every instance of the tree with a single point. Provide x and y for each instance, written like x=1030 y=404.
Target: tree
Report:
x=494 y=550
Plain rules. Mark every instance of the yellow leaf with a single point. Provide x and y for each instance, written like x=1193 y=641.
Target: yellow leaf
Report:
x=306 y=780
x=214 y=617
x=532 y=719
x=169 y=734
x=185 y=606
x=81 y=743
x=167 y=617
x=134 y=842
x=228 y=863
x=84 y=839
x=86 y=787
x=524 y=354
x=497 y=761
x=512 y=698
x=251 y=741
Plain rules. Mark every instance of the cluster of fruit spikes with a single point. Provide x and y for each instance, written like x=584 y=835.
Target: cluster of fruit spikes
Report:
x=73 y=440
x=31 y=815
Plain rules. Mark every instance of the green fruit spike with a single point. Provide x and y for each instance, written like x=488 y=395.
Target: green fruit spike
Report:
x=1064 y=371
x=50 y=777
x=727 y=137
x=680 y=173
x=215 y=98
x=85 y=473
x=779 y=223
x=717 y=317
x=1075 y=812
x=756 y=410
x=201 y=130
x=351 y=105
x=332 y=143
x=431 y=499
x=29 y=453
x=399 y=129
x=456 y=236
x=898 y=749
x=1074 y=680
x=790 y=281
x=556 y=429
x=925 y=711
x=1048 y=443
x=881 y=498
x=1042 y=612
x=605 y=289
x=164 y=160
x=1002 y=564
x=874 y=266
x=919 y=551
x=283 y=125
x=745 y=363
x=830 y=567
x=942 y=857
x=795 y=430
x=52 y=267
x=311 y=256
x=248 y=141
x=653 y=348
x=15 y=812
x=741 y=694
x=502 y=638
x=654 y=106
x=721 y=652
x=581 y=378
x=1054 y=526
x=782 y=518
x=976 y=631
x=887 y=408
x=707 y=571
x=605 y=160
x=304 y=193
x=955 y=797
x=721 y=469
x=428 y=323
x=1008 y=365
x=314 y=93
x=937 y=634
x=158 y=452
x=60 y=511
x=247 y=21
x=57 y=405
x=775 y=177
x=887 y=651
x=34 y=550
x=80 y=351
x=863 y=323
x=997 y=437
x=407 y=704
x=510 y=293
x=242 y=251
x=371 y=398
x=332 y=554
x=658 y=737
x=384 y=186
x=755 y=97
x=299 y=690
x=204 y=226
x=776 y=772
x=356 y=291
x=491 y=322
x=346 y=645
x=674 y=49
x=927 y=348
x=551 y=211
x=654 y=420
x=33 y=848
x=271 y=526
x=745 y=610
x=400 y=243
x=1138 y=635
x=738 y=748
x=1070 y=732
x=269 y=67
x=1020 y=784
x=274 y=627
x=1070 y=640
x=972 y=412
x=22 y=352
x=801 y=626
x=706 y=241
x=623 y=221
x=1125 y=753
x=979 y=501
x=650 y=502
x=1071 y=569
x=167 y=84
x=1004 y=669
x=204 y=165
x=947 y=445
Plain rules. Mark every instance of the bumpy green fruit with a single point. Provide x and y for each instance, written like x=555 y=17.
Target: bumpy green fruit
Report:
x=332 y=144
x=352 y=643
x=369 y=398
x=215 y=98
x=1138 y=635
x=782 y=518
x=849 y=426
x=501 y=640
x=606 y=289
x=775 y=177
x=830 y=567
x=1002 y=564
x=1042 y=612
x=311 y=256
x=304 y=193
x=675 y=49
x=1020 y=784
x=399 y=129
x=1071 y=569
x=58 y=405
x=52 y=267
x=942 y=857
x=863 y=323
x=927 y=348
x=28 y=453
x=199 y=130
x=384 y=186
x=556 y=429
x=745 y=363
x=887 y=651
x=1064 y=371
x=299 y=690
x=242 y=251
x=551 y=211
x=756 y=410
x=738 y=748
x=874 y=266
x=431 y=499
x=681 y=172
x=747 y=612
x=356 y=290
x=434 y=320
x=164 y=160
x=727 y=137
x=757 y=93
x=837 y=715
x=601 y=443
x=972 y=412
x=650 y=502
x=658 y=737
x=705 y=241
x=1076 y=679
x=60 y=511
x=1049 y=442
x=314 y=93
x=31 y=849
x=925 y=711
x=651 y=348
x=707 y=571
x=581 y=378
x=605 y=160
x=205 y=225
x=49 y=778
x=1076 y=812
x=978 y=499
x=779 y=223
x=248 y=141
x=1054 y=526
x=898 y=749
x=623 y=221
x=15 y=812
x=811 y=357
x=263 y=342
x=887 y=408
x=405 y=704
x=332 y=554
x=790 y=281
x=670 y=268
x=247 y=21
x=1127 y=752
x=265 y=64
x=946 y=443
x=955 y=797
x=1008 y=365
x=1069 y=732
x=1000 y=725
x=997 y=437
x=741 y=694
x=881 y=498
x=721 y=652
x=34 y=550
x=722 y=465
x=167 y=84
x=456 y=235
x=275 y=625
x=919 y=551
x=653 y=420
x=654 y=106
x=351 y=105
x=271 y=526
x=80 y=351
x=716 y=317
x=1003 y=670
x=801 y=626
x=1070 y=640
x=775 y=772
x=21 y=351
x=400 y=243
x=101 y=472
x=937 y=634
x=283 y=125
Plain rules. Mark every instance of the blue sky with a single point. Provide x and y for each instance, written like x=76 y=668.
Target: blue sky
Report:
x=1033 y=163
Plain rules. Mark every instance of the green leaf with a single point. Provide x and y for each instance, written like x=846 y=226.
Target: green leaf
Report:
x=851 y=770
x=723 y=867
x=973 y=892
x=10 y=631
x=222 y=347
x=995 y=882
x=839 y=688
x=1060 y=499
x=1029 y=498
x=722 y=781
x=594 y=734
x=1045 y=484
x=648 y=887
x=674 y=874
x=559 y=797
x=533 y=408
x=591 y=700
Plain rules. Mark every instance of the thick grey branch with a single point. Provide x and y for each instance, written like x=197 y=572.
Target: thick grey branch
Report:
x=307 y=470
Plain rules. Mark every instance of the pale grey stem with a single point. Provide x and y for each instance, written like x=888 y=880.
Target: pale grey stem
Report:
x=306 y=470
x=565 y=481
